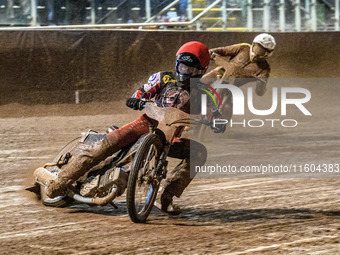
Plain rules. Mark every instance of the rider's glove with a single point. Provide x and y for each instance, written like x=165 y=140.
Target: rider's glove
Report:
x=135 y=103
x=219 y=127
x=212 y=55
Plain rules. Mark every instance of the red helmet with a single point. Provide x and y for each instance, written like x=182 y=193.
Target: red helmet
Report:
x=194 y=54
x=192 y=60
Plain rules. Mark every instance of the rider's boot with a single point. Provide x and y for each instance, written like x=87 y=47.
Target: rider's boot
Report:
x=179 y=177
x=165 y=203
x=84 y=157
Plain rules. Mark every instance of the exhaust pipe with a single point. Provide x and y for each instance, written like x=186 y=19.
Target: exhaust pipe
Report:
x=96 y=200
x=107 y=199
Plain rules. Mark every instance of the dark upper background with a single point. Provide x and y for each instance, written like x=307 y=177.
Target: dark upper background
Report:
x=48 y=66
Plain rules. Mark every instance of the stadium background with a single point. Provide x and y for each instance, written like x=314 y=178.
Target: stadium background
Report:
x=45 y=67
x=41 y=68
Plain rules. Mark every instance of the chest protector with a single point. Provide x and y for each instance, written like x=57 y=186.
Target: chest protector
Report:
x=172 y=95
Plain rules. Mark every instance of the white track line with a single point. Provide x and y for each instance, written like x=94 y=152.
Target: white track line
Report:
x=291 y=192
x=226 y=186
x=40 y=230
x=54 y=248
x=262 y=248
x=25 y=150
x=11 y=189
x=25 y=158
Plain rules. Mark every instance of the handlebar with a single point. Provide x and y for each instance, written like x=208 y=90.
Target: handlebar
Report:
x=144 y=101
x=147 y=100
x=206 y=122
x=200 y=121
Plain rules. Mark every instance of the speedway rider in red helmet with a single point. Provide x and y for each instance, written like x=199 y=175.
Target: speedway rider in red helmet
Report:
x=192 y=61
x=168 y=90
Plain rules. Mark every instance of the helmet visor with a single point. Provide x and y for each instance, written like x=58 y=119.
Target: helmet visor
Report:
x=189 y=70
x=261 y=52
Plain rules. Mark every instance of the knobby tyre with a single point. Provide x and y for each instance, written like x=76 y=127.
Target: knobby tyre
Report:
x=142 y=189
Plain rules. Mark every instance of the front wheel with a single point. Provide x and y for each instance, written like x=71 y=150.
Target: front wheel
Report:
x=142 y=186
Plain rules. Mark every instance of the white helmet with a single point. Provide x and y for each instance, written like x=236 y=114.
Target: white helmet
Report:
x=266 y=41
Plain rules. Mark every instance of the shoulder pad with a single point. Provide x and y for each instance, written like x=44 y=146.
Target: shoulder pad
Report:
x=242 y=44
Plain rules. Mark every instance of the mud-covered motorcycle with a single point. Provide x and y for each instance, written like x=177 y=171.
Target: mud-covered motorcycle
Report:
x=109 y=179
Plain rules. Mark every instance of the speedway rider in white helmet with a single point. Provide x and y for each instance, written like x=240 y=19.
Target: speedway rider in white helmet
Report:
x=239 y=61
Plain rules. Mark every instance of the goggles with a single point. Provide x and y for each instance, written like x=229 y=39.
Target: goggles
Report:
x=189 y=70
x=261 y=52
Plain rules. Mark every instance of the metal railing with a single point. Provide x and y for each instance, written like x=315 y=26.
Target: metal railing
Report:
x=307 y=22
x=148 y=10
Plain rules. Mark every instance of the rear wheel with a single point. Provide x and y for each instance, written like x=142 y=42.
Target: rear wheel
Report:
x=142 y=186
x=60 y=201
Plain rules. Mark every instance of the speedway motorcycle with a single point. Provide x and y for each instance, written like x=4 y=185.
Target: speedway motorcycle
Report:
x=141 y=179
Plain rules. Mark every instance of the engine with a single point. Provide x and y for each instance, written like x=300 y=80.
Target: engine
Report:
x=101 y=185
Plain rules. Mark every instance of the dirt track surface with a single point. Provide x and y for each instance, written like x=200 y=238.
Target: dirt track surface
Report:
x=229 y=216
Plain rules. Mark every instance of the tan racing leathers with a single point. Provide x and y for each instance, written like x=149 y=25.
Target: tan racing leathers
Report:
x=234 y=63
